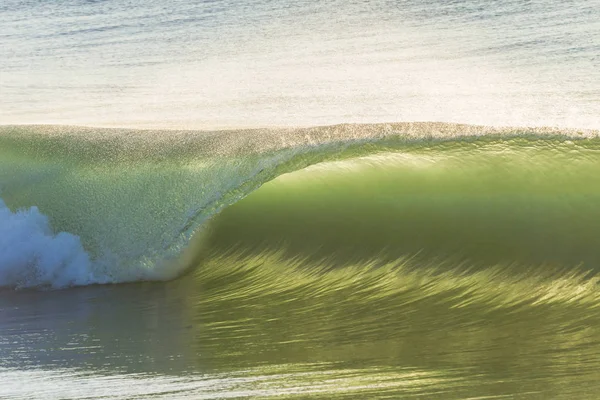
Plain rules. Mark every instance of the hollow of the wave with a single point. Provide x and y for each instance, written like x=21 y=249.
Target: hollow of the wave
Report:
x=481 y=210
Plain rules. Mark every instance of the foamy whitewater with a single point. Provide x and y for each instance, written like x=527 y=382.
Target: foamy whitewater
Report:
x=31 y=254
x=328 y=199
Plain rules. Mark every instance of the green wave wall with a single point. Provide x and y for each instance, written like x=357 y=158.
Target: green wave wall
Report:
x=442 y=193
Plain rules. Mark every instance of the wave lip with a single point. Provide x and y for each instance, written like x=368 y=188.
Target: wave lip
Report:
x=31 y=255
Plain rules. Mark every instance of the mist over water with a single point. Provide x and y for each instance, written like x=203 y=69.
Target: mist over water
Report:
x=385 y=259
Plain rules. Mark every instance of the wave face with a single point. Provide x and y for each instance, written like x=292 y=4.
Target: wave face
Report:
x=150 y=205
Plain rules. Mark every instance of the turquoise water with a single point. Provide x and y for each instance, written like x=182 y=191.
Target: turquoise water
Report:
x=179 y=218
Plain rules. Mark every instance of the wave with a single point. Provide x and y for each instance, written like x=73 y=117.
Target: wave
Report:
x=150 y=205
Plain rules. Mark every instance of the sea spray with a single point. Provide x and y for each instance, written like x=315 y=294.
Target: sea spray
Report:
x=32 y=255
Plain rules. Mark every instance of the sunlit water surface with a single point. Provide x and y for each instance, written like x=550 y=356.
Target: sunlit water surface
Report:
x=458 y=271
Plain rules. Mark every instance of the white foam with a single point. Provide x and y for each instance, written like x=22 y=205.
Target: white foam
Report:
x=32 y=255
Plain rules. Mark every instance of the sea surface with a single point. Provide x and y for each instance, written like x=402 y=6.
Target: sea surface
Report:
x=308 y=199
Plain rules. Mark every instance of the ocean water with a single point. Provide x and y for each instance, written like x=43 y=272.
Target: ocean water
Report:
x=233 y=199
x=238 y=64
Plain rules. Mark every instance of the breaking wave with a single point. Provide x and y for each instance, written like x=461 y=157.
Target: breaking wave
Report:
x=90 y=206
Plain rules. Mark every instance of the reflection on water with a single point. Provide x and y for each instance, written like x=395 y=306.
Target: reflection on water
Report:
x=346 y=332
x=296 y=381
